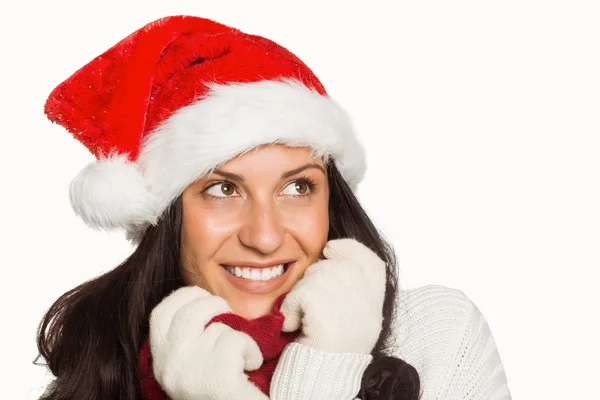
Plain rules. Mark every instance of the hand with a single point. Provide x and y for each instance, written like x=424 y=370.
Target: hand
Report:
x=339 y=301
x=192 y=361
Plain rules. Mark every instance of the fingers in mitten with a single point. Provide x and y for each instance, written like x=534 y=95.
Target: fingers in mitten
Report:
x=351 y=249
x=293 y=311
x=190 y=320
x=315 y=269
x=241 y=351
x=162 y=315
x=326 y=272
x=366 y=268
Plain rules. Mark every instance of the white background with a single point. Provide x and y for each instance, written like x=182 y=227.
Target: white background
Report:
x=482 y=126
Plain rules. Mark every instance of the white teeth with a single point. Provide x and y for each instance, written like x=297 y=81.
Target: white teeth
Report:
x=266 y=274
x=256 y=274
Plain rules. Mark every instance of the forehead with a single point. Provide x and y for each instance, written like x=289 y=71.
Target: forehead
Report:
x=273 y=156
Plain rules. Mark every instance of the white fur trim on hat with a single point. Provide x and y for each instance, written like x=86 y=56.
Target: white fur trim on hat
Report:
x=111 y=193
x=229 y=121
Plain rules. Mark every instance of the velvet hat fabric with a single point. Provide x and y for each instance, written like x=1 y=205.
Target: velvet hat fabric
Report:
x=178 y=97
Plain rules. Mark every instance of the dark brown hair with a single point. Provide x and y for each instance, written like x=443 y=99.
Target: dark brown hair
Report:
x=91 y=336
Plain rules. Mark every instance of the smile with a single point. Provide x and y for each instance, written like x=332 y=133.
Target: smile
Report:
x=257 y=274
x=258 y=280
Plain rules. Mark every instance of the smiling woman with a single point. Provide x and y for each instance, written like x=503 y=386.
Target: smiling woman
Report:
x=254 y=225
x=256 y=274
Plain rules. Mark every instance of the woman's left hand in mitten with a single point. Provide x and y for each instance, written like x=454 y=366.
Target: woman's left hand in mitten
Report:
x=338 y=303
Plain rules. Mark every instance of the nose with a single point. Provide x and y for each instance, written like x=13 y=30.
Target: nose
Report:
x=262 y=228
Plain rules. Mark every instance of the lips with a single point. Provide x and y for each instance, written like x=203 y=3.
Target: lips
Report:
x=259 y=286
x=256 y=274
x=251 y=264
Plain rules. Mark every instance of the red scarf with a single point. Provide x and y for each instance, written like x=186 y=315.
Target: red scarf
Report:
x=265 y=330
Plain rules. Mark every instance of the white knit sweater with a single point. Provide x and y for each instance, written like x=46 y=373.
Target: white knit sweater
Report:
x=438 y=330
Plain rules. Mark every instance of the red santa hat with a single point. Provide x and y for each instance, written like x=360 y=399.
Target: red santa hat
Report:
x=178 y=97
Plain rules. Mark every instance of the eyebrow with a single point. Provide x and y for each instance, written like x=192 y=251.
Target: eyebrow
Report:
x=241 y=178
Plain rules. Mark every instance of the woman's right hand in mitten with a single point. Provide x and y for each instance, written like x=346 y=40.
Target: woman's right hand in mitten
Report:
x=193 y=361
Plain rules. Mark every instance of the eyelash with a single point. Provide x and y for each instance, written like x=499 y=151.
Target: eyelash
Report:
x=304 y=179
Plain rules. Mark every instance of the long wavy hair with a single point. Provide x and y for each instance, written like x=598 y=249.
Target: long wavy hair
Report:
x=91 y=336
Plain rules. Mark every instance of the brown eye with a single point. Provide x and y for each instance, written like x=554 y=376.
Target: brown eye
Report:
x=221 y=189
x=227 y=189
x=301 y=187
x=297 y=188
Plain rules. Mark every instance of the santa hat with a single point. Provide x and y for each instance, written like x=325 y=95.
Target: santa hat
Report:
x=178 y=97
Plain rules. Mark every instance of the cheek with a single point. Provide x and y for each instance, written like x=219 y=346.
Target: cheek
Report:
x=309 y=226
x=203 y=231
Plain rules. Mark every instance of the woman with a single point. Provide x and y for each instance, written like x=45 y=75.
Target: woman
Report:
x=256 y=274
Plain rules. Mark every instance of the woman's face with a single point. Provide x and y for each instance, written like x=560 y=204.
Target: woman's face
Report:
x=255 y=212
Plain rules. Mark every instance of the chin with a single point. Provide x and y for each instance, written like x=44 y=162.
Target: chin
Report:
x=252 y=307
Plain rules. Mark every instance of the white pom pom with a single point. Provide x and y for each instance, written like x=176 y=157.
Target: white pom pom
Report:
x=111 y=193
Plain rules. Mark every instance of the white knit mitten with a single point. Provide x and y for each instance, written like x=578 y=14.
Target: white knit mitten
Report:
x=192 y=361
x=338 y=303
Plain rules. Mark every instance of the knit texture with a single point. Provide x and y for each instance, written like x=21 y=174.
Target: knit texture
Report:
x=318 y=374
x=338 y=302
x=265 y=330
x=437 y=330
x=446 y=338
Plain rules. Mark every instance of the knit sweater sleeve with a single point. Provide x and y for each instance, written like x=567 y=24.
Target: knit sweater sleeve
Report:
x=304 y=373
x=441 y=333
x=437 y=330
